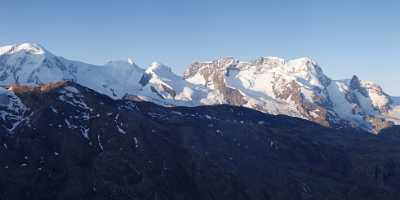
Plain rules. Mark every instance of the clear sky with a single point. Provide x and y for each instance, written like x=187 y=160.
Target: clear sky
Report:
x=345 y=37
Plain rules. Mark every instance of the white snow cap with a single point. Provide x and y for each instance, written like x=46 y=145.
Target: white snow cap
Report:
x=158 y=67
x=31 y=48
x=5 y=49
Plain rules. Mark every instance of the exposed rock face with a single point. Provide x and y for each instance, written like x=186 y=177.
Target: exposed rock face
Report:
x=379 y=123
x=312 y=111
x=74 y=143
x=355 y=84
x=145 y=79
x=214 y=77
x=370 y=102
x=368 y=90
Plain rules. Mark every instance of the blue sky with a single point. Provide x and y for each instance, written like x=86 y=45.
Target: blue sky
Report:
x=345 y=37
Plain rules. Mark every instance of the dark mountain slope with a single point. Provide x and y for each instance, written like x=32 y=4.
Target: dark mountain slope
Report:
x=70 y=142
x=393 y=132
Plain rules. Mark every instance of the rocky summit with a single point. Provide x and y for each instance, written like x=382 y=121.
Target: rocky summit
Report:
x=66 y=141
x=297 y=88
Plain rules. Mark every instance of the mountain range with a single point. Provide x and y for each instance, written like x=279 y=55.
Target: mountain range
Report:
x=65 y=141
x=297 y=88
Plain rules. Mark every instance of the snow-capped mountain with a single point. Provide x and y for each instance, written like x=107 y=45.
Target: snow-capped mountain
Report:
x=296 y=87
x=32 y=64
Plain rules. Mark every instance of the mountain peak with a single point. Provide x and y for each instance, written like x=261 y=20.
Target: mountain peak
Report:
x=355 y=83
x=306 y=67
x=303 y=63
x=158 y=67
x=226 y=62
x=31 y=48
